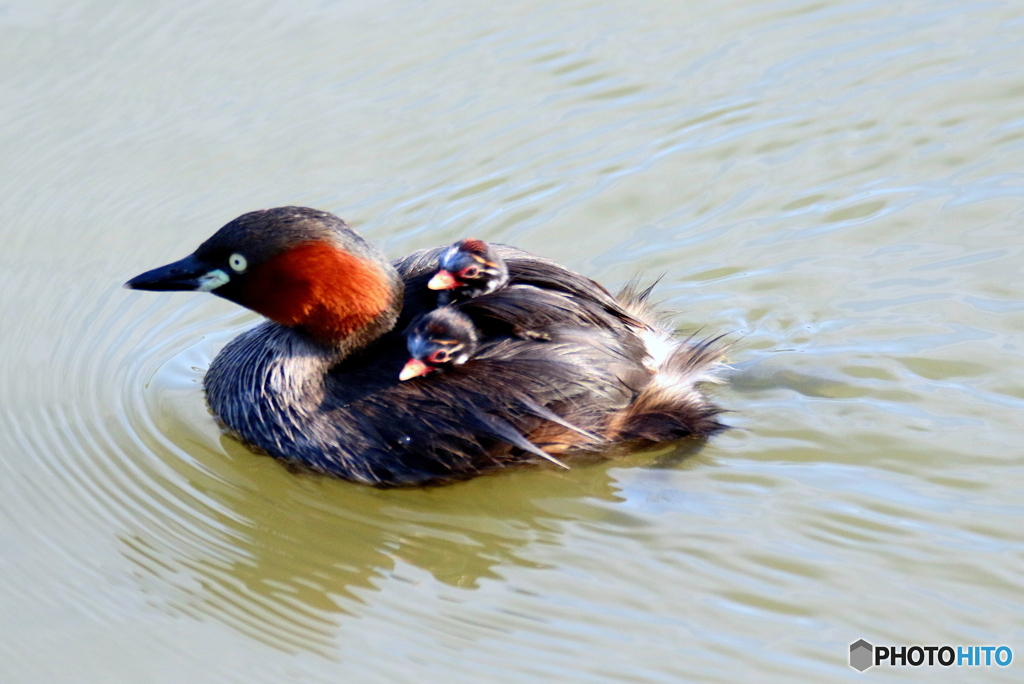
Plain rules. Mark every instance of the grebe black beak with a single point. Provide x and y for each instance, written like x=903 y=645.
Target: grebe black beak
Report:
x=188 y=274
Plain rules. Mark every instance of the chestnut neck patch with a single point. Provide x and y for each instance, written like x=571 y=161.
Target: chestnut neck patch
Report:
x=329 y=292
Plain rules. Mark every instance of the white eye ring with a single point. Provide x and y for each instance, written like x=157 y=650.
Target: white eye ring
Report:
x=237 y=262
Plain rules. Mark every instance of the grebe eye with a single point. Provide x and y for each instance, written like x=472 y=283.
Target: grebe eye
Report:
x=470 y=272
x=237 y=262
x=440 y=356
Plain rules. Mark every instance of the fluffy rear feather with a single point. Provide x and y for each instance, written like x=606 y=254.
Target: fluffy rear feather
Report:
x=670 y=406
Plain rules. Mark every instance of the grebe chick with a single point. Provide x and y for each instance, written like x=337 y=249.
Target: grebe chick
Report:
x=437 y=340
x=468 y=269
x=472 y=276
x=444 y=338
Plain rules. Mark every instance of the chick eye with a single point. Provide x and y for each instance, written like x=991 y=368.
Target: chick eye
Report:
x=440 y=356
x=470 y=272
x=237 y=262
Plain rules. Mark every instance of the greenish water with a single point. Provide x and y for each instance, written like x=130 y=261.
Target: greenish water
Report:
x=838 y=185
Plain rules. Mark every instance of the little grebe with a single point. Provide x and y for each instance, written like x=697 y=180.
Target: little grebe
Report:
x=318 y=383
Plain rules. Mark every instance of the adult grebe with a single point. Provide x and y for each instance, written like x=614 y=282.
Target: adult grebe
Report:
x=318 y=383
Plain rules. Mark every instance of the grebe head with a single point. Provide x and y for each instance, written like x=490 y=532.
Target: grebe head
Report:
x=438 y=339
x=470 y=268
x=299 y=267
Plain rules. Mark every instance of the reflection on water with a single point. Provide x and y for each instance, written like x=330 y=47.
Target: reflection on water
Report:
x=292 y=553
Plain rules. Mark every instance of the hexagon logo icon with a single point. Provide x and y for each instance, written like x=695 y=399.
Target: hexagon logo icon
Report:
x=861 y=655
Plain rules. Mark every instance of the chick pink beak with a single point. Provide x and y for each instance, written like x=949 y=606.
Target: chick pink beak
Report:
x=443 y=280
x=413 y=369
